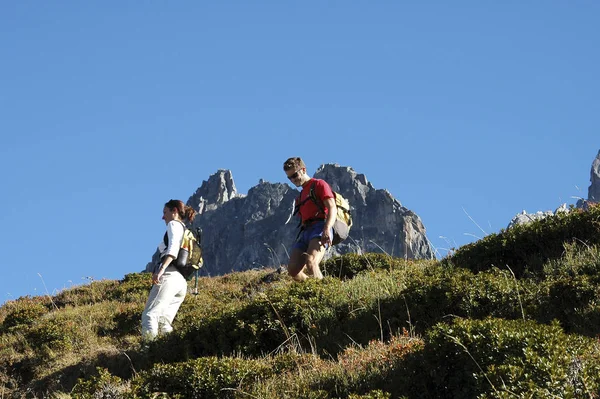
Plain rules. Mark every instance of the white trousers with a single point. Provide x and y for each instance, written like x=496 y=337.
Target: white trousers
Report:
x=163 y=303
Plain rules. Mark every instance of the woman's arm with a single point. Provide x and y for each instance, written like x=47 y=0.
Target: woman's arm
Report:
x=166 y=261
x=175 y=236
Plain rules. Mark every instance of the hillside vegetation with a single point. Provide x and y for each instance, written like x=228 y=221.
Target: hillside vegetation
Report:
x=516 y=314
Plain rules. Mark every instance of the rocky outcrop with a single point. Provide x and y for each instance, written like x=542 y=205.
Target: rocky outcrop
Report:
x=244 y=232
x=381 y=223
x=215 y=191
x=525 y=217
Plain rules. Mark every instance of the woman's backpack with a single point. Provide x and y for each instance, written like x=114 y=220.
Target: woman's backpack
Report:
x=189 y=259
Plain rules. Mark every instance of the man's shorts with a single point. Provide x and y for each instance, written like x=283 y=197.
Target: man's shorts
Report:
x=311 y=231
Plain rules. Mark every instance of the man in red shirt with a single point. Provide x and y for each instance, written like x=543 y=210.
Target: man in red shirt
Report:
x=318 y=215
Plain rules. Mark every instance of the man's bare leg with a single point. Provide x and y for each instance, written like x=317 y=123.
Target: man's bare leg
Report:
x=314 y=255
x=306 y=270
x=296 y=264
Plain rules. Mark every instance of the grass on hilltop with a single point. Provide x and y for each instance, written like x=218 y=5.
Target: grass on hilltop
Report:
x=481 y=323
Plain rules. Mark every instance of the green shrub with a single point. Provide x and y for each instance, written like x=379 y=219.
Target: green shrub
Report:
x=527 y=247
x=427 y=297
x=134 y=287
x=573 y=301
x=494 y=293
x=434 y=293
x=24 y=312
x=207 y=377
x=349 y=265
x=467 y=358
x=577 y=259
x=53 y=335
x=127 y=320
x=102 y=385
x=94 y=292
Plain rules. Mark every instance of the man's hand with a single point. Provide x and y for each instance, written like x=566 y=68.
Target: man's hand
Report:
x=331 y=216
x=325 y=238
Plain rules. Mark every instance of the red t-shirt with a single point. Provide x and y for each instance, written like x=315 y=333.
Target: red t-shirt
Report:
x=310 y=210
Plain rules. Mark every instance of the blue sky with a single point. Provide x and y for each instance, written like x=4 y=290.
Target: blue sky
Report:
x=109 y=109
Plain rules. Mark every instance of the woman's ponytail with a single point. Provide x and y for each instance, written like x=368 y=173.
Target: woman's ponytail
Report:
x=189 y=213
x=185 y=212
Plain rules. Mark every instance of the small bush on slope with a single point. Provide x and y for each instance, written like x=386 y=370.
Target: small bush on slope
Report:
x=23 y=312
x=207 y=377
x=527 y=247
x=102 y=385
x=498 y=358
x=350 y=265
x=88 y=294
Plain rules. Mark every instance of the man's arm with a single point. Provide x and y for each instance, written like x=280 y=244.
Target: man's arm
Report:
x=331 y=217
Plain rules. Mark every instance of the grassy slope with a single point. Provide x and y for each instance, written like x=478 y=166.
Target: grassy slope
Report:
x=382 y=327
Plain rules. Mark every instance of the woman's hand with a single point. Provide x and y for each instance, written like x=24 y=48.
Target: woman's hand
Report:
x=157 y=275
x=161 y=270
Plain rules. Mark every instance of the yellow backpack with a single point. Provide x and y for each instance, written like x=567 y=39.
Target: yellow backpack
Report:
x=189 y=260
x=341 y=227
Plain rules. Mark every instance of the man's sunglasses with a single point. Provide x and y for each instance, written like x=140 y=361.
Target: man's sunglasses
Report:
x=295 y=175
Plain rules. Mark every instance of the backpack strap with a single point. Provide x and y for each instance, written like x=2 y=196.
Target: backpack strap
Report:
x=166 y=237
x=316 y=200
x=298 y=203
x=311 y=197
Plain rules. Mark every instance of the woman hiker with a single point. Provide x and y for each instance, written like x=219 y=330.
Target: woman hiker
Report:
x=169 y=286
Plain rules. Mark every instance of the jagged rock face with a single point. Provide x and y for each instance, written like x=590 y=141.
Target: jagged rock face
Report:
x=248 y=232
x=245 y=232
x=380 y=221
x=217 y=190
x=594 y=189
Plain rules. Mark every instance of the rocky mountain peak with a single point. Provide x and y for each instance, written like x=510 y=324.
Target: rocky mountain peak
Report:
x=346 y=181
x=218 y=189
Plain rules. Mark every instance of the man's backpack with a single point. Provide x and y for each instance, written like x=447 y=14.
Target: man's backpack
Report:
x=343 y=222
x=189 y=260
